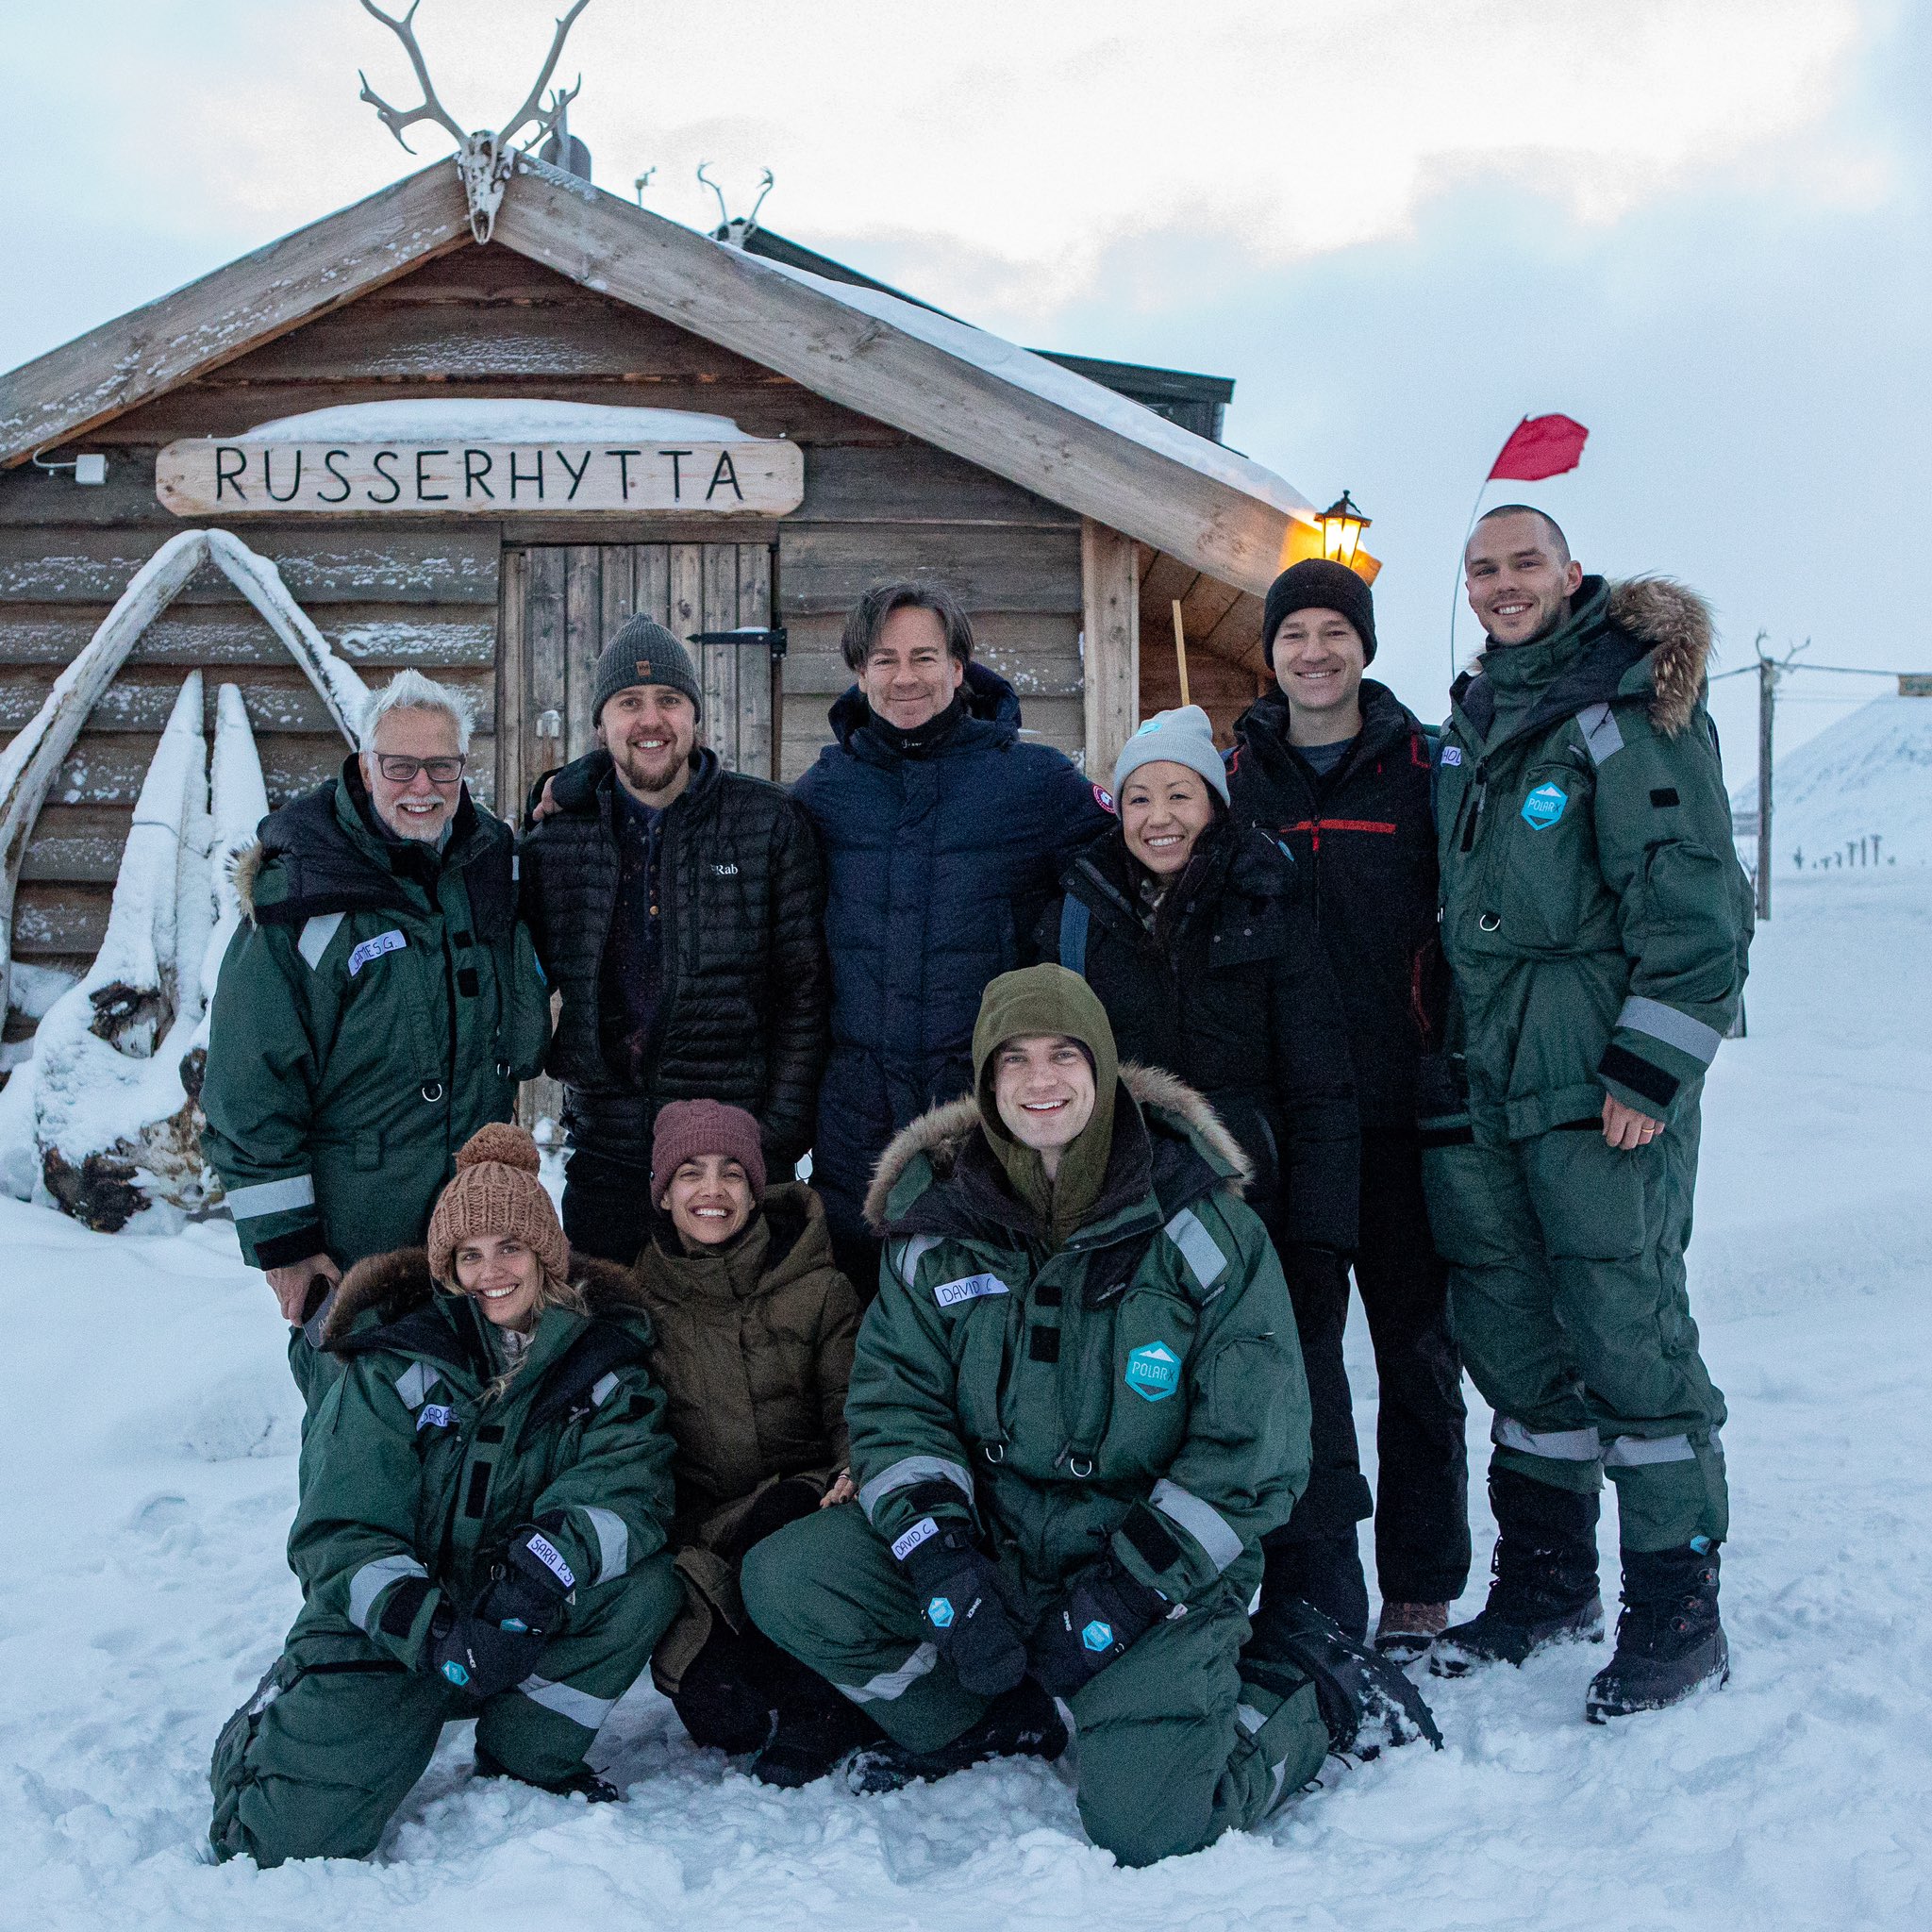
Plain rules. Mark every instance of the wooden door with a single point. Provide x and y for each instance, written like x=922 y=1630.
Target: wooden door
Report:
x=562 y=604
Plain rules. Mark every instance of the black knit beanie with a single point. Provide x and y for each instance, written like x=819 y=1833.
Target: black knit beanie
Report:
x=643 y=652
x=1318 y=584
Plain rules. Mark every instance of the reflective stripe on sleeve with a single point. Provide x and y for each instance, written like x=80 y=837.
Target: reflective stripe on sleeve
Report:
x=1202 y=1520
x=1199 y=1249
x=412 y=1385
x=1672 y=1027
x=373 y=1578
x=1603 y=737
x=271 y=1197
x=1559 y=1445
x=1632 y=1451
x=891 y=1683
x=613 y=1543
x=580 y=1706
x=601 y=1390
x=316 y=934
x=907 y=1471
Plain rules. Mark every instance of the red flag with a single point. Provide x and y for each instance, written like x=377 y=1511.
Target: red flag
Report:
x=1540 y=446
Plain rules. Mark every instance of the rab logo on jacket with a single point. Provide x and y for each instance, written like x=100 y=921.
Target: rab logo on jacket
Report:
x=1544 y=806
x=1154 y=1372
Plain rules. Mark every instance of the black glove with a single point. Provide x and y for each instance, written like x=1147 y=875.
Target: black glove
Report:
x=529 y=1589
x=1104 y=1612
x=960 y=1603
x=481 y=1657
x=496 y=1643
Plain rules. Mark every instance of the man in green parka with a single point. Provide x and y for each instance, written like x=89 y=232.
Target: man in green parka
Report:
x=1597 y=922
x=1076 y=1408
x=377 y=1005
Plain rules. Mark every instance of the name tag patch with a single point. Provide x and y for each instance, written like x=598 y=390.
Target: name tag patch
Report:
x=1154 y=1372
x=950 y=1293
x=1544 y=806
x=390 y=942
x=547 y=1554
x=1452 y=754
x=433 y=1415
x=921 y=1531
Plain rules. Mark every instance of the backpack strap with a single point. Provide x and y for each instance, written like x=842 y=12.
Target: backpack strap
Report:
x=1075 y=917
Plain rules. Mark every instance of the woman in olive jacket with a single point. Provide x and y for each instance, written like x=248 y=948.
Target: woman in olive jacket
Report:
x=1198 y=937
x=754 y=1330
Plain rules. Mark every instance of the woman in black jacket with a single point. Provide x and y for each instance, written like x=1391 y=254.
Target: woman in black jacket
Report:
x=1196 y=935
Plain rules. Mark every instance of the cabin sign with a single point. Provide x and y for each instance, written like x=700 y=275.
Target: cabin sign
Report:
x=213 y=476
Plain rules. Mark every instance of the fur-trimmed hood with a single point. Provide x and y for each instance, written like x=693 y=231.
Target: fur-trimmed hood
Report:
x=396 y=1284
x=1676 y=623
x=941 y=1132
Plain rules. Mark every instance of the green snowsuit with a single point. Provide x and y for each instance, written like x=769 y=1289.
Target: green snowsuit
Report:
x=1135 y=1389
x=1596 y=921
x=378 y=1004
x=414 y=1477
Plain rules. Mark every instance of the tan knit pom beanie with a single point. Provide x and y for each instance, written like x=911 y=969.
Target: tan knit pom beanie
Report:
x=496 y=1192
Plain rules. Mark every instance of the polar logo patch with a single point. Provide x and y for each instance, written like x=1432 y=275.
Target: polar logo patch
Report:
x=433 y=1415
x=1097 y=1636
x=547 y=1554
x=949 y=1294
x=940 y=1612
x=390 y=942
x=1154 y=1372
x=1452 y=754
x=1544 y=806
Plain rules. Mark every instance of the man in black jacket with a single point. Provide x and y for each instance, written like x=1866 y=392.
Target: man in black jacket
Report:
x=1338 y=768
x=678 y=907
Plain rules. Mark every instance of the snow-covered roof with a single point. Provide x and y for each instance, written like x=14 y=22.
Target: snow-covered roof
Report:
x=488 y=420
x=1054 y=384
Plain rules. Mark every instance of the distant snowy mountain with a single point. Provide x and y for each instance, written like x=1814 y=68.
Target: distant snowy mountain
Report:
x=1869 y=773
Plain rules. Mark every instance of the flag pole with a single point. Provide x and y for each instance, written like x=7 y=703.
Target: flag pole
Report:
x=1455 y=588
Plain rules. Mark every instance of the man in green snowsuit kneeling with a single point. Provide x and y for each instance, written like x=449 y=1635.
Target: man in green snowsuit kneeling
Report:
x=1596 y=921
x=1076 y=1408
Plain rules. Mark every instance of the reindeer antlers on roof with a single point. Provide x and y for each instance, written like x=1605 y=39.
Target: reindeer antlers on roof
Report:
x=396 y=119
x=482 y=158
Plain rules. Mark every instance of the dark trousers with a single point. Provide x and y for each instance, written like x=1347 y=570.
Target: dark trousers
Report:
x=855 y=1247
x=607 y=1207
x=1422 y=1492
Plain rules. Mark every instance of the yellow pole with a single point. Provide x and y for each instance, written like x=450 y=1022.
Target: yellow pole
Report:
x=1180 y=650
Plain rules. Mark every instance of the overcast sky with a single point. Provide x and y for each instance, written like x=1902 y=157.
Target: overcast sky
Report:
x=1698 y=225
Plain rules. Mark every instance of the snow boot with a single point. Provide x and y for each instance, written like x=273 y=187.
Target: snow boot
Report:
x=810 y=1742
x=584 y=1784
x=1405 y=1631
x=1366 y=1702
x=1020 y=1722
x=1545 y=1587
x=1669 y=1639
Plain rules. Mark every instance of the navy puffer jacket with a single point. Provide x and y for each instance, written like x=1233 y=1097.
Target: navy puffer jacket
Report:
x=937 y=865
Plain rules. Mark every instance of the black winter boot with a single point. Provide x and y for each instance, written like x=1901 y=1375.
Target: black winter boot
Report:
x=1325 y=1570
x=810 y=1742
x=1366 y=1702
x=1545 y=1587
x=1020 y=1722
x=584 y=1784
x=1669 y=1639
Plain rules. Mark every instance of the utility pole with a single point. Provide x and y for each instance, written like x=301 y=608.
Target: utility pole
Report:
x=1767 y=701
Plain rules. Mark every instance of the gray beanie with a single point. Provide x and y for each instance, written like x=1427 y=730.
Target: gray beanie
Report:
x=643 y=652
x=1184 y=737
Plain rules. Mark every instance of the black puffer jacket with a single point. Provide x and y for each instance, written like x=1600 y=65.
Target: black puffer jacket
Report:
x=1230 y=992
x=741 y=1012
x=1365 y=835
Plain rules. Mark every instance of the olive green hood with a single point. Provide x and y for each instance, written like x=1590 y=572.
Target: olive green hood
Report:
x=1048 y=1000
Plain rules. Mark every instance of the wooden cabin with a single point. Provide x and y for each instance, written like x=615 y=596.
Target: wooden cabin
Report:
x=869 y=437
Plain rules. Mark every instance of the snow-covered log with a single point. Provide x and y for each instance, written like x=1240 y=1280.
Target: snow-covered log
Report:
x=237 y=804
x=112 y=1122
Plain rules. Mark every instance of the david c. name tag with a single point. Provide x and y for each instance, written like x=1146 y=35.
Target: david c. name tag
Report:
x=951 y=1294
x=390 y=942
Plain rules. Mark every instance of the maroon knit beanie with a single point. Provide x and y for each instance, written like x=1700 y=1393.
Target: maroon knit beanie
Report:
x=688 y=1128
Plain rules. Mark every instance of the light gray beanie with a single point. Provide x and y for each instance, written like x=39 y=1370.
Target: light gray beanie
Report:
x=1184 y=737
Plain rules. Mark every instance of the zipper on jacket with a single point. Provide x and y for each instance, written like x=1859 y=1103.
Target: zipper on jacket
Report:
x=1476 y=809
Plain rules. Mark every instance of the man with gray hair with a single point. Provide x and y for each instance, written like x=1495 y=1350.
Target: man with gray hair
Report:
x=379 y=1004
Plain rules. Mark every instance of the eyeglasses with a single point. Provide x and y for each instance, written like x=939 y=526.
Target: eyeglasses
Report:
x=401 y=771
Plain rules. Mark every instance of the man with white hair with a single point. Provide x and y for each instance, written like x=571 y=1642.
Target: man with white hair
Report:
x=377 y=1005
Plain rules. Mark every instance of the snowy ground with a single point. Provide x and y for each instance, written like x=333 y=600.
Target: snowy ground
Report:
x=148 y=1427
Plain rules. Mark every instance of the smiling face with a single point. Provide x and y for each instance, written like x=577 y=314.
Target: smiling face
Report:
x=1520 y=580
x=1043 y=1088
x=1319 y=658
x=1164 y=808
x=649 y=731
x=910 y=675
x=504 y=1275
x=708 y=1199
x=420 y=807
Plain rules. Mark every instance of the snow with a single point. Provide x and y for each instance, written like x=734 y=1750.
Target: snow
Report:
x=1077 y=394
x=461 y=418
x=148 y=1426
x=1869 y=773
